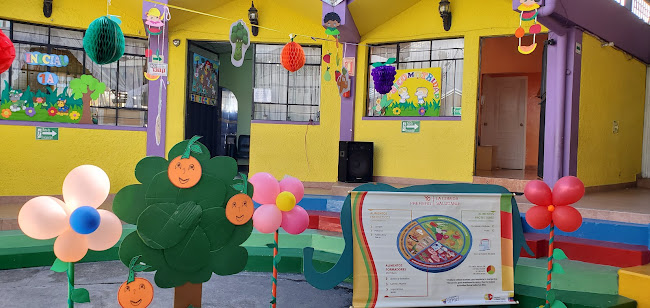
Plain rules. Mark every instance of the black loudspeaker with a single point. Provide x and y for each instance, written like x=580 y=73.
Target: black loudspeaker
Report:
x=355 y=161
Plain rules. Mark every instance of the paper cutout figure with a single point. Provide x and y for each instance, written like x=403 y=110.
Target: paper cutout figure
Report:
x=332 y=21
x=240 y=40
x=135 y=292
x=155 y=22
x=528 y=9
x=421 y=93
x=343 y=82
x=184 y=171
x=239 y=209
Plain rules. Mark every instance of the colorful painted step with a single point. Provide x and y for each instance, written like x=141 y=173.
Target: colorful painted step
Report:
x=19 y=251
x=603 y=230
x=634 y=282
x=530 y=297
x=323 y=220
x=578 y=276
x=590 y=251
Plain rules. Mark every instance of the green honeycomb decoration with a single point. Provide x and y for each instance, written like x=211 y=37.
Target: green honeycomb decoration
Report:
x=104 y=41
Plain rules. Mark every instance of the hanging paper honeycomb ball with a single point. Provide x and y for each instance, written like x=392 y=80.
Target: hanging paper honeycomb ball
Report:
x=7 y=53
x=293 y=56
x=104 y=41
x=383 y=77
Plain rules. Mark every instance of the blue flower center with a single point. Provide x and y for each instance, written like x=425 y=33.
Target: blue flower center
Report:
x=85 y=220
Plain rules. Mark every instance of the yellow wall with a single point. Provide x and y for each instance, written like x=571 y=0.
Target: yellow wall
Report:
x=33 y=167
x=612 y=88
x=443 y=150
x=75 y=13
x=276 y=148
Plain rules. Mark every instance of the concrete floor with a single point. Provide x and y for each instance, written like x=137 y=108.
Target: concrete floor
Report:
x=39 y=287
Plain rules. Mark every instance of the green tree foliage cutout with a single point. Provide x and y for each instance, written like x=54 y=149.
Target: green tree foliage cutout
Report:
x=87 y=88
x=183 y=234
x=239 y=36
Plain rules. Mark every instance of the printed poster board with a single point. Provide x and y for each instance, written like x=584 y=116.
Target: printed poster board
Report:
x=432 y=249
x=415 y=92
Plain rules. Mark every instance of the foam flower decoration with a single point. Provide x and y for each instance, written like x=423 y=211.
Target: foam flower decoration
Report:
x=553 y=206
x=76 y=222
x=278 y=201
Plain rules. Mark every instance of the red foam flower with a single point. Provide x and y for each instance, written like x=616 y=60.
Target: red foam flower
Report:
x=554 y=206
x=52 y=111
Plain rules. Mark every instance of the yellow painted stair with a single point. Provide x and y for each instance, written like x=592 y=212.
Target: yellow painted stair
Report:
x=634 y=282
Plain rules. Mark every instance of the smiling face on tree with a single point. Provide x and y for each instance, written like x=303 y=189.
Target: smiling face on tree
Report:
x=239 y=209
x=138 y=293
x=184 y=172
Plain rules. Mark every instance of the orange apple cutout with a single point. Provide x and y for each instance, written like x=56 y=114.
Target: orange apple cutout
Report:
x=239 y=209
x=185 y=171
x=135 y=292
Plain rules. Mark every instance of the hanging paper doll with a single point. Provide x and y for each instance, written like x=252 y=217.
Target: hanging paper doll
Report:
x=332 y=21
x=528 y=9
x=154 y=22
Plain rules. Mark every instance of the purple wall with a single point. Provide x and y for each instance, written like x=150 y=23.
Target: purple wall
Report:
x=157 y=112
x=349 y=34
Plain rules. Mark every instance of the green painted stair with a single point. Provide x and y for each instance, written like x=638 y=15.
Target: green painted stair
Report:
x=578 y=276
x=20 y=251
x=530 y=297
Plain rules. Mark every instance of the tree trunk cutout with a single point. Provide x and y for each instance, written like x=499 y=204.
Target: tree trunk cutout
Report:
x=188 y=294
x=86 y=117
x=87 y=88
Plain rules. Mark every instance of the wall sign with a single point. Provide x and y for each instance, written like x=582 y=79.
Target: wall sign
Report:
x=37 y=58
x=415 y=92
x=47 y=79
x=410 y=126
x=350 y=64
x=157 y=69
x=47 y=133
x=432 y=249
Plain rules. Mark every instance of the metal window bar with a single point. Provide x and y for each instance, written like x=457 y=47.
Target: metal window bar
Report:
x=57 y=40
x=286 y=96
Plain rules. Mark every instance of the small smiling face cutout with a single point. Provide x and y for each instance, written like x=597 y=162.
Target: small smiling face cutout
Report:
x=138 y=293
x=184 y=172
x=239 y=209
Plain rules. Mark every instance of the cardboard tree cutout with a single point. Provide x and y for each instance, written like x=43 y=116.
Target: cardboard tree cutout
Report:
x=87 y=88
x=183 y=233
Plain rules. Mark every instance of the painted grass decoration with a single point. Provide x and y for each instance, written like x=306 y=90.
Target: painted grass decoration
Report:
x=104 y=40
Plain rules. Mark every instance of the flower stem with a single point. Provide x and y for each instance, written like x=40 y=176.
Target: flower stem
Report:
x=70 y=284
x=550 y=263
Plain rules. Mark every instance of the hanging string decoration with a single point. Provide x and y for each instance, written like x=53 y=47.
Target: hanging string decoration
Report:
x=293 y=56
x=383 y=75
x=7 y=53
x=104 y=40
x=552 y=209
x=240 y=39
x=528 y=9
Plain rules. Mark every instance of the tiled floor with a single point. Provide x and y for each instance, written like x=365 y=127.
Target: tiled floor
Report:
x=528 y=174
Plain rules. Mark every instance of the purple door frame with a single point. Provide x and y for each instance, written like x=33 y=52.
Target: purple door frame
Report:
x=157 y=103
